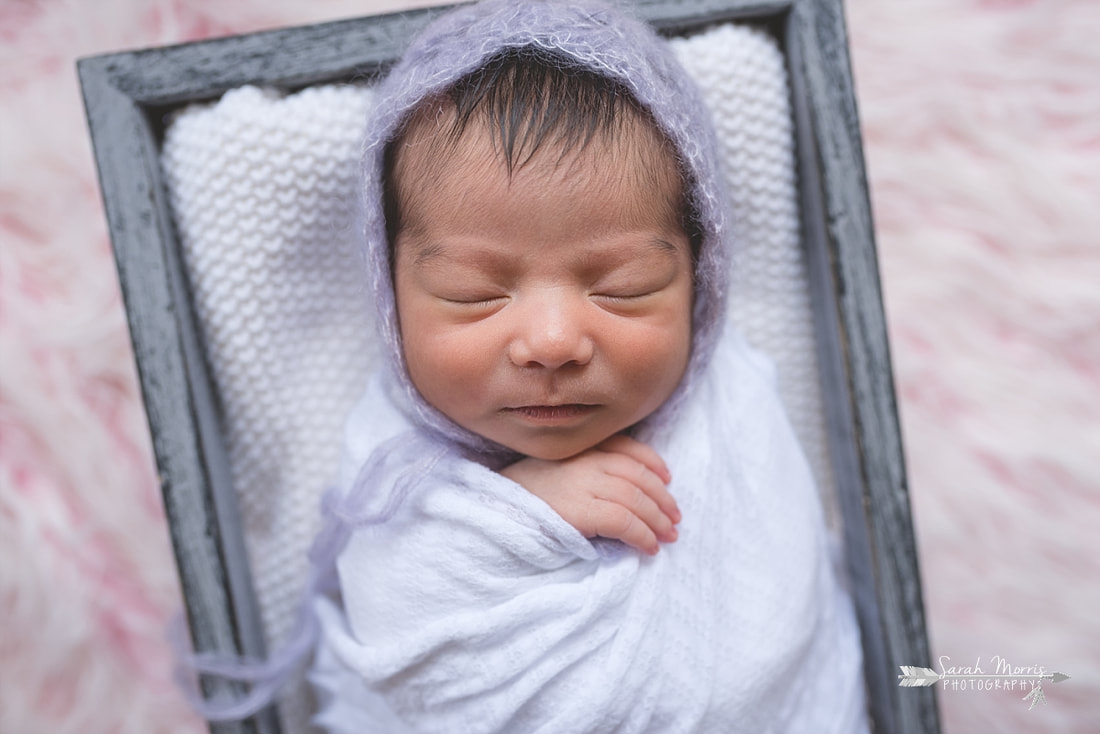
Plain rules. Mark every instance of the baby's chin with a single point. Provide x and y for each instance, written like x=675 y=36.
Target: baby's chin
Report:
x=553 y=448
x=556 y=454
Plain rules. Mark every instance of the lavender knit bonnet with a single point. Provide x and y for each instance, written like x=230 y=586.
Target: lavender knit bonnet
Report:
x=603 y=39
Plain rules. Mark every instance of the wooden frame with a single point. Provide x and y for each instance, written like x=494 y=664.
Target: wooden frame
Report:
x=126 y=96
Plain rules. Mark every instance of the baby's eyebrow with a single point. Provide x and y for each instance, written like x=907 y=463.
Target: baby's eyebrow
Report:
x=428 y=252
x=658 y=245
x=664 y=245
x=436 y=253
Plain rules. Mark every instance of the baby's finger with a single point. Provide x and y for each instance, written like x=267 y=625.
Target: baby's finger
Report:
x=612 y=520
x=641 y=476
x=640 y=452
x=640 y=504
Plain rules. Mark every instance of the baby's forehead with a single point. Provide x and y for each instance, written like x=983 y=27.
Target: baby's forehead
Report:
x=527 y=119
x=636 y=166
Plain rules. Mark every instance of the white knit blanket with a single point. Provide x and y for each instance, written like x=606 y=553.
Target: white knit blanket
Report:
x=261 y=187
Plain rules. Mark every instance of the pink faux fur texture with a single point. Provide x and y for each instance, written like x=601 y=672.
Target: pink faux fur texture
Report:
x=982 y=126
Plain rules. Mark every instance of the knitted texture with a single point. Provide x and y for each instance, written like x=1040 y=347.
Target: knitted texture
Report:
x=261 y=188
x=742 y=77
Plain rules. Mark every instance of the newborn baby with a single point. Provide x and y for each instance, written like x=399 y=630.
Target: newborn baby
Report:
x=543 y=276
x=572 y=501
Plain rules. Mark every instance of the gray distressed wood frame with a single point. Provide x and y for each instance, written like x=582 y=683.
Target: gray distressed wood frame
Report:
x=126 y=96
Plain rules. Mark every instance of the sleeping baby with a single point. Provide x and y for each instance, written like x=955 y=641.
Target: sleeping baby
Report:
x=572 y=502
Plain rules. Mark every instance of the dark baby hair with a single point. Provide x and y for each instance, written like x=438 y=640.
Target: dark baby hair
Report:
x=530 y=99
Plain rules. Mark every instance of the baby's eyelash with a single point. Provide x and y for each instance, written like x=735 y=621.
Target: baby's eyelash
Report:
x=476 y=302
x=622 y=297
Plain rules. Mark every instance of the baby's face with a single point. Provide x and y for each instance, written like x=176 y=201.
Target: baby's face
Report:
x=549 y=311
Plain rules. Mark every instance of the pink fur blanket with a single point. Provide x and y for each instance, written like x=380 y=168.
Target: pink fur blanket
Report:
x=982 y=127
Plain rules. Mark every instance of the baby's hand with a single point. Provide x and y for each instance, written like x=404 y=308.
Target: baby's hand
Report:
x=616 y=489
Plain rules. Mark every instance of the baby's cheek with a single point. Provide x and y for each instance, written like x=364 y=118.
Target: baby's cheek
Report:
x=665 y=339
x=654 y=359
x=447 y=365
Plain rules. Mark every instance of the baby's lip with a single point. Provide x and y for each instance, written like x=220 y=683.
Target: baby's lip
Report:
x=550 y=405
x=552 y=412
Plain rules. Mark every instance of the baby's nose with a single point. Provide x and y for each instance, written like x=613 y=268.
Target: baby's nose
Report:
x=551 y=333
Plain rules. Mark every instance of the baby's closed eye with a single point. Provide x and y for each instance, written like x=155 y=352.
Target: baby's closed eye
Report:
x=636 y=280
x=474 y=299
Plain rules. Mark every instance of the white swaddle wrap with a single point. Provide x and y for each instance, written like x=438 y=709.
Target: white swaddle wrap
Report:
x=469 y=605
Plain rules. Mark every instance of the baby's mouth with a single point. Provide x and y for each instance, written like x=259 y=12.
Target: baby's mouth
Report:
x=551 y=413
